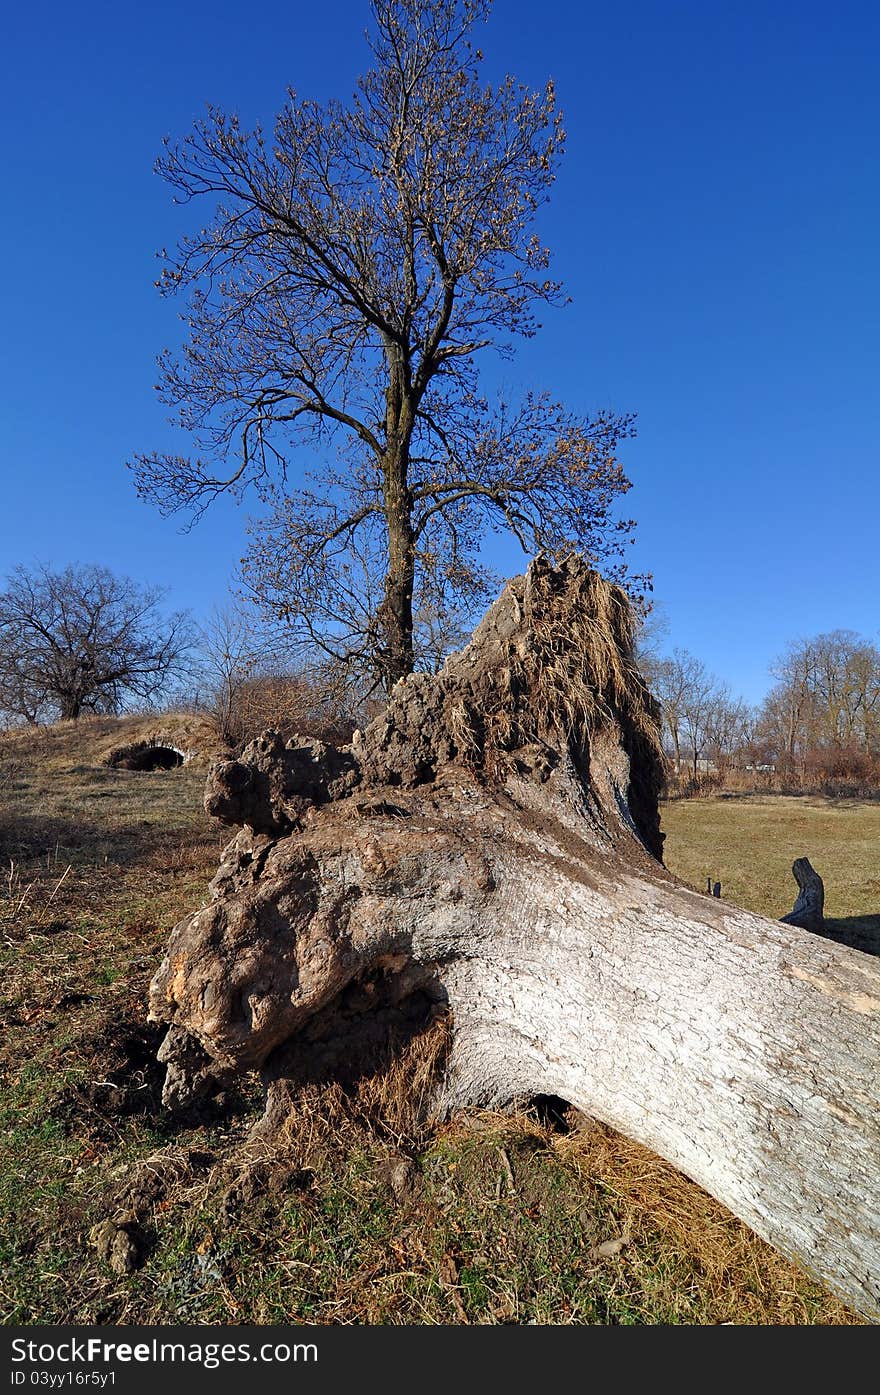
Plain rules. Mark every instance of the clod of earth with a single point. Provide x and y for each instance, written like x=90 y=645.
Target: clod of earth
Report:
x=120 y=1244
x=489 y=849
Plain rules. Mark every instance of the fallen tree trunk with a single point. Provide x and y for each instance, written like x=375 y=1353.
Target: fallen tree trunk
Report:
x=489 y=847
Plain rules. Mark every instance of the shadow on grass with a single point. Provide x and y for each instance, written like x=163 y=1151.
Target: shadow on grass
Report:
x=856 y=931
x=53 y=841
x=25 y=835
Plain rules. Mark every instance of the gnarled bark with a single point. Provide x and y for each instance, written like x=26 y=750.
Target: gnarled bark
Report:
x=489 y=847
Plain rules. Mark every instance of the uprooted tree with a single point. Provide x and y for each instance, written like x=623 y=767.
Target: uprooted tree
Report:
x=489 y=848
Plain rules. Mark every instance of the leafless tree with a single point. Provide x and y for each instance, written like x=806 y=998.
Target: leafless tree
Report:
x=249 y=681
x=83 y=640
x=728 y=729
x=669 y=681
x=826 y=699
x=650 y=629
x=231 y=649
x=699 y=712
x=355 y=268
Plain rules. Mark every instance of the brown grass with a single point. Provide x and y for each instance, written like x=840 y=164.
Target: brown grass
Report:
x=748 y=1281
x=569 y=667
x=579 y=664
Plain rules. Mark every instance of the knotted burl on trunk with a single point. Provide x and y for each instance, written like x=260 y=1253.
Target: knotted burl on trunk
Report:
x=344 y=855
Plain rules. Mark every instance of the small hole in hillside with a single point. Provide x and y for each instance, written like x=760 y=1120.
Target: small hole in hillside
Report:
x=146 y=757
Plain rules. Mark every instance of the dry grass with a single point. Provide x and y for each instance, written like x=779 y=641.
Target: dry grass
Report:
x=579 y=666
x=549 y=668
x=90 y=741
x=360 y=1209
x=744 y=1279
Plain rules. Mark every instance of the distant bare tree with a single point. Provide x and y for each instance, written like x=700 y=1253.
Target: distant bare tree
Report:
x=355 y=268
x=846 y=688
x=84 y=640
x=697 y=703
x=669 y=680
x=231 y=649
x=304 y=704
x=651 y=626
x=729 y=728
x=826 y=700
x=787 y=712
x=699 y=712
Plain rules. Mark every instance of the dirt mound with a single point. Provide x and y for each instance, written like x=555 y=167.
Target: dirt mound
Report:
x=115 y=741
x=160 y=743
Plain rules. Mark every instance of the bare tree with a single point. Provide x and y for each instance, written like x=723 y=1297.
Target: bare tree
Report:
x=699 y=713
x=304 y=705
x=669 y=681
x=231 y=648
x=83 y=640
x=651 y=626
x=864 y=669
x=729 y=727
x=846 y=687
x=826 y=699
x=356 y=266
x=250 y=683
x=787 y=711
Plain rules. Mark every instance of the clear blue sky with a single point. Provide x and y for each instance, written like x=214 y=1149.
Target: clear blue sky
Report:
x=716 y=221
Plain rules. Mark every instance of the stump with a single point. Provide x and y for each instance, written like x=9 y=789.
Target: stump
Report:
x=489 y=848
x=808 y=911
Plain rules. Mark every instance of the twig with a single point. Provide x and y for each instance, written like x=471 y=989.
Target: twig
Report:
x=58 y=884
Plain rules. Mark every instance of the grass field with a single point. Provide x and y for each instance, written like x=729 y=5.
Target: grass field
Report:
x=365 y=1212
x=749 y=843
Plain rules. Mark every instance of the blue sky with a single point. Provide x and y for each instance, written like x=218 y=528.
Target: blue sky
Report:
x=715 y=221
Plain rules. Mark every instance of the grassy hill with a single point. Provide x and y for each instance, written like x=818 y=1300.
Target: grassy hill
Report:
x=365 y=1212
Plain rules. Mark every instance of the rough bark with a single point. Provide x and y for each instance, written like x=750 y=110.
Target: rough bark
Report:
x=489 y=848
x=396 y=611
x=808 y=911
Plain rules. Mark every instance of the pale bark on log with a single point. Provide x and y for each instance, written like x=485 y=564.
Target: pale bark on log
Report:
x=489 y=848
x=808 y=911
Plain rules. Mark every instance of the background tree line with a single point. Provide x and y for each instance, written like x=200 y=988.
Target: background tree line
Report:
x=822 y=716
x=817 y=728
x=81 y=640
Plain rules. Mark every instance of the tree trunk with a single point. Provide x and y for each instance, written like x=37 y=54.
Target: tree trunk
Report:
x=489 y=848
x=676 y=747
x=397 y=605
x=396 y=614
x=791 y=739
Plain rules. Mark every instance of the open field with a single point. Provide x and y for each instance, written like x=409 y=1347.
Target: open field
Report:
x=367 y=1213
x=748 y=843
